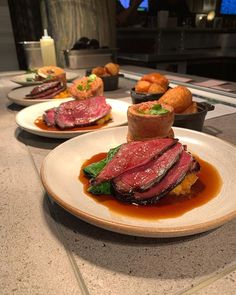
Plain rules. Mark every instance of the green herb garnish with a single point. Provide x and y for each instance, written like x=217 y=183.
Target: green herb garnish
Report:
x=92 y=77
x=101 y=189
x=32 y=71
x=49 y=77
x=156 y=109
x=88 y=86
x=80 y=87
x=94 y=169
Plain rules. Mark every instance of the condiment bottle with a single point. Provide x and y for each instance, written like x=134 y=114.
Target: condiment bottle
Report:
x=48 y=50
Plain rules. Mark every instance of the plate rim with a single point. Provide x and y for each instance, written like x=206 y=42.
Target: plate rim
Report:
x=162 y=232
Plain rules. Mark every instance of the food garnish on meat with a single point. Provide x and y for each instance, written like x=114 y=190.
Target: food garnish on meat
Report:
x=142 y=172
x=76 y=113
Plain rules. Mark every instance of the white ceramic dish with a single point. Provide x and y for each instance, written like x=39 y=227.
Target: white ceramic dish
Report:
x=26 y=117
x=23 y=79
x=17 y=96
x=72 y=154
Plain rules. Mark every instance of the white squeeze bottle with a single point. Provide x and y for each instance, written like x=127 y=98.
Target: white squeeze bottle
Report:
x=48 y=50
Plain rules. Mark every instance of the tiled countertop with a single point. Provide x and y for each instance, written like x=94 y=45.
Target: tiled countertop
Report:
x=46 y=250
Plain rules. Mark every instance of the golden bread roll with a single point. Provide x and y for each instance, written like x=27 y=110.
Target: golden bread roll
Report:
x=112 y=68
x=142 y=86
x=99 y=71
x=191 y=109
x=156 y=88
x=180 y=98
x=143 y=124
x=156 y=78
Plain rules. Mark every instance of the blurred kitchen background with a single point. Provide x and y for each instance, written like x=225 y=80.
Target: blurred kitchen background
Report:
x=195 y=37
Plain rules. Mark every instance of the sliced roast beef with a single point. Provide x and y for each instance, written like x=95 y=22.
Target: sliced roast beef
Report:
x=48 y=92
x=44 y=87
x=133 y=154
x=81 y=112
x=143 y=177
x=173 y=177
x=49 y=117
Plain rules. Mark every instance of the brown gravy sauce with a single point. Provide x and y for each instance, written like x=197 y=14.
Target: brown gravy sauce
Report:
x=40 y=124
x=206 y=188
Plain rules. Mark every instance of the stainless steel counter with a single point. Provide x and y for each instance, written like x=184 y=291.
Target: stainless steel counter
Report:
x=46 y=250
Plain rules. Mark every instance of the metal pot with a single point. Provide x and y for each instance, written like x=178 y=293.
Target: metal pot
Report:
x=194 y=121
x=32 y=51
x=88 y=58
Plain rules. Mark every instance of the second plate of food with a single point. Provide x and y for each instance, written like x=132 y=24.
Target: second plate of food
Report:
x=30 y=119
x=18 y=96
x=29 y=78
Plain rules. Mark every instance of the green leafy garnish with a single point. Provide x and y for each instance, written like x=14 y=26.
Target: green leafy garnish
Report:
x=156 y=109
x=30 y=71
x=28 y=79
x=80 y=87
x=88 y=86
x=92 y=77
x=94 y=169
x=49 y=77
x=101 y=189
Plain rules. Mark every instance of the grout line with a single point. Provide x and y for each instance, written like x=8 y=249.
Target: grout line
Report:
x=77 y=273
x=214 y=277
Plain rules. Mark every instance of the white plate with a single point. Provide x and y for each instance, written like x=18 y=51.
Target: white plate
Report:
x=22 y=79
x=62 y=166
x=17 y=96
x=26 y=117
